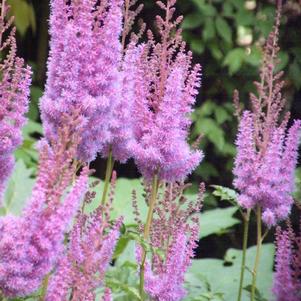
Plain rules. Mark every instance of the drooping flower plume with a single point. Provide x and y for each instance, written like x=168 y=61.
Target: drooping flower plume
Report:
x=30 y=244
x=82 y=267
x=84 y=70
x=266 y=148
x=14 y=93
x=166 y=85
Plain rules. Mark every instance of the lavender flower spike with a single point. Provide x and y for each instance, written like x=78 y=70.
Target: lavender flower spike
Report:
x=14 y=92
x=30 y=245
x=266 y=149
x=165 y=91
x=83 y=70
x=82 y=268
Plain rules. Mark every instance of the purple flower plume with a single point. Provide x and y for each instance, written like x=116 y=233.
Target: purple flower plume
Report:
x=266 y=150
x=166 y=86
x=287 y=283
x=31 y=244
x=174 y=232
x=266 y=179
x=84 y=70
x=14 y=92
x=82 y=267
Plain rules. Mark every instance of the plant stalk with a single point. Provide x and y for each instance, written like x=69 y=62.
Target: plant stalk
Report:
x=109 y=169
x=44 y=288
x=146 y=234
x=246 y=221
x=258 y=250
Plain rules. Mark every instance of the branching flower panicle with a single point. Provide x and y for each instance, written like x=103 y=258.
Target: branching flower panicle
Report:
x=14 y=93
x=266 y=150
x=30 y=244
x=288 y=265
x=166 y=85
x=82 y=267
x=83 y=70
x=173 y=238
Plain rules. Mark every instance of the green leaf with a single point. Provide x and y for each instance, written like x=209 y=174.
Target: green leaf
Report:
x=234 y=59
x=223 y=275
x=206 y=8
x=221 y=115
x=18 y=189
x=192 y=21
x=212 y=130
x=225 y=193
x=24 y=15
x=31 y=127
x=209 y=29
x=122 y=204
x=197 y=46
x=217 y=221
x=223 y=29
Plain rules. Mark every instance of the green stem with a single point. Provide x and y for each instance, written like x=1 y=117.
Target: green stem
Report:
x=44 y=288
x=109 y=169
x=147 y=228
x=246 y=219
x=258 y=250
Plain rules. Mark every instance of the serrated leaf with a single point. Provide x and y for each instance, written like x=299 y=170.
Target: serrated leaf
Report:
x=225 y=193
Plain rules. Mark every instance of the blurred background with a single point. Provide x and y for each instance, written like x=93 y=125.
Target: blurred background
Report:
x=226 y=37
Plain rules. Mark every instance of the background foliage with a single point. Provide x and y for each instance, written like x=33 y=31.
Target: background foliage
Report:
x=226 y=37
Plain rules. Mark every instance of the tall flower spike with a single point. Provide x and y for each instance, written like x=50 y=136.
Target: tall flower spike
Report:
x=165 y=89
x=14 y=93
x=266 y=151
x=83 y=70
x=26 y=257
x=288 y=265
x=82 y=267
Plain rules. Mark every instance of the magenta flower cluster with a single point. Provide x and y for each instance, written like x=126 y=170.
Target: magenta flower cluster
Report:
x=14 y=92
x=287 y=283
x=134 y=103
x=81 y=270
x=85 y=73
x=30 y=244
x=266 y=179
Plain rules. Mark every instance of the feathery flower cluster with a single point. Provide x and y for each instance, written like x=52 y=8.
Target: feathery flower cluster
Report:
x=30 y=244
x=14 y=92
x=266 y=154
x=82 y=267
x=85 y=73
x=175 y=233
x=266 y=179
x=166 y=85
x=287 y=283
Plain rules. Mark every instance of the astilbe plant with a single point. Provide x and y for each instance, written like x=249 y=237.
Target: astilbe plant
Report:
x=86 y=73
x=287 y=278
x=266 y=150
x=31 y=243
x=173 y=237
x=14 y=92
x=81 y=268
x=166 y=85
